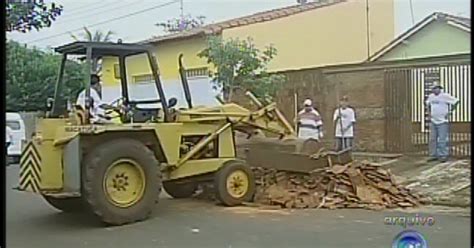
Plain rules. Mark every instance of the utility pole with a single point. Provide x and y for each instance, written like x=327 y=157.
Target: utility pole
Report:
x=181 y=7
x=368 y=27
x=412 y=14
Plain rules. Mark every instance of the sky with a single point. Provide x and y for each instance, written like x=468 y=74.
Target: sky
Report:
x=140 y=26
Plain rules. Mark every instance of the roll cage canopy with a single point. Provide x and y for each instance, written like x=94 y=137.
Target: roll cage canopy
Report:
x=100 y=49
x=95 y=50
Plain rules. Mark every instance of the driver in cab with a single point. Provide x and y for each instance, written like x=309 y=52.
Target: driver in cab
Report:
x=98 y=108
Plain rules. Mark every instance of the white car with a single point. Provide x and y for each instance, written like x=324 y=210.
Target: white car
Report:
x=15 y=122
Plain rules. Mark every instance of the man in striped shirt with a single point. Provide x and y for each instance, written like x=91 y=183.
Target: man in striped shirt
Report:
x=310 y=124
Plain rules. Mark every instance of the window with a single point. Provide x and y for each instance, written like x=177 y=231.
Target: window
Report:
x=140 y=79
x=14 y=125
x=197 y=72
x=116 y=71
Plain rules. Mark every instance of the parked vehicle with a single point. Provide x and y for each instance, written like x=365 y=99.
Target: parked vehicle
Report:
x=15 y=122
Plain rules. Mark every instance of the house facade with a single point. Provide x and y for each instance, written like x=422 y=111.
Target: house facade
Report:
x=436 y=36
x=315 y=34
x=388 y=90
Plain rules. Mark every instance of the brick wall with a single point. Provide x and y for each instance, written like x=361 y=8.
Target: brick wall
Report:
x=366 y=95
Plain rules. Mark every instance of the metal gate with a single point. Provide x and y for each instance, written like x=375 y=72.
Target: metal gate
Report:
x=397 y=111
x=407 y=124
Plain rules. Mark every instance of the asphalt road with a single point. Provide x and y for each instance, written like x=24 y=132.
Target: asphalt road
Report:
x=192 y=223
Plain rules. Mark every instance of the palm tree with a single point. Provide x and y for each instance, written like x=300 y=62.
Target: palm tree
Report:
x=98 y=36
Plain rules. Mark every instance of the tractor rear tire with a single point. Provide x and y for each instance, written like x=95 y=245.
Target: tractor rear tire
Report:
x=121 y=181
x=234 y=183
x=180 y=190
x=67 y=205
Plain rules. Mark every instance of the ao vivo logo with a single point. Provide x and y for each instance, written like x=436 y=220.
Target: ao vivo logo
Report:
x=405 y=221
x=409 y=239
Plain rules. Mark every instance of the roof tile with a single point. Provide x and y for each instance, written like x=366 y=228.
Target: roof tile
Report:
x=246 y=20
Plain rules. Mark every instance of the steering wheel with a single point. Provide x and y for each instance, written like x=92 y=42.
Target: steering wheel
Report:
x=119 y=109
x=117 y=101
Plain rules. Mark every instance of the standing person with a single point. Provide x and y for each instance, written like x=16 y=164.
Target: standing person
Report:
x=310 y=124
x=8 y=141
x=440 y=106
x=344 y=119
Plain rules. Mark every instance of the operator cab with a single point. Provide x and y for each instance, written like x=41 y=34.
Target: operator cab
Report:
x=129 y=110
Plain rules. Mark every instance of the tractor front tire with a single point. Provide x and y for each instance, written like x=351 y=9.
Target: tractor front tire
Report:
x=67 y=205
x=180 y=190
x=234 y=183
x=121 y=181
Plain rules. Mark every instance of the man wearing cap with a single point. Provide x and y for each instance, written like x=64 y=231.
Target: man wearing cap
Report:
x=310 y=125
x=97 y=110
x=344 y=119
x=440 y=106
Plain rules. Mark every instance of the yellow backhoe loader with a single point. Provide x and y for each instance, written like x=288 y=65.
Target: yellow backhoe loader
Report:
x=117 y=170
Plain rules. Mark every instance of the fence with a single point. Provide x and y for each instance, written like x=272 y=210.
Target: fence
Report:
x=407 y=126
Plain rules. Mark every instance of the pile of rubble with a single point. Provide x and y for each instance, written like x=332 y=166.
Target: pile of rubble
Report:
x=354 y=185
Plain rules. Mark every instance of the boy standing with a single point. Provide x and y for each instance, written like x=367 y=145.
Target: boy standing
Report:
x=344 y=119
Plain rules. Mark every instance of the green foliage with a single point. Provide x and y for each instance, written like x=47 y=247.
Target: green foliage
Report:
x=239 y=64
x=23 y=16
x=97 y=36
x=32 y=74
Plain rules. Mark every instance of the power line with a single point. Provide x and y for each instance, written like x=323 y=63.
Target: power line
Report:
x=84 y=8
x=107 y=21
x=67 y=20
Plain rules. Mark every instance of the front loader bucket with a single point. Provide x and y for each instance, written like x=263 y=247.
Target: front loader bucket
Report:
x=283 y=157
x=295 y=162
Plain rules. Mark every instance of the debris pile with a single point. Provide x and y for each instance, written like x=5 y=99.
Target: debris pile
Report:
x=354 y=185
x=358 y=184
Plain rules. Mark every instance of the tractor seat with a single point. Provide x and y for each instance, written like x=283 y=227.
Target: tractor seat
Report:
x=145 y=114
x=80 y=115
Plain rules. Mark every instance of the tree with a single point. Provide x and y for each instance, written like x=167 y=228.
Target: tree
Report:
x=97 y=36
x=181 y=24
x=23 y=16
x=239 y=64
x=31 y=77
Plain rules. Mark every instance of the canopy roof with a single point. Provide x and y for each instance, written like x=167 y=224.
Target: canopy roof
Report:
x=100 y=49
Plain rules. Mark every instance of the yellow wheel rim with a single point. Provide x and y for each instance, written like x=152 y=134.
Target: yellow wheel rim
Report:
x=237 y=184
x=124 y=183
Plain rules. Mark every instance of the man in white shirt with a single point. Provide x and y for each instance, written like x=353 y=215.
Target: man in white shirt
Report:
x=310 y=124
x=8 y=136
x=97 y=110
x=440 y=106
x=344 y=119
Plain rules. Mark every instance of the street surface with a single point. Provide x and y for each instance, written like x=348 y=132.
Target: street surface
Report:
x=193 y=223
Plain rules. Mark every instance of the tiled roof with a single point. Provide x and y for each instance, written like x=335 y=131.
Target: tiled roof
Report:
x=246 y=20
x=465 y=23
